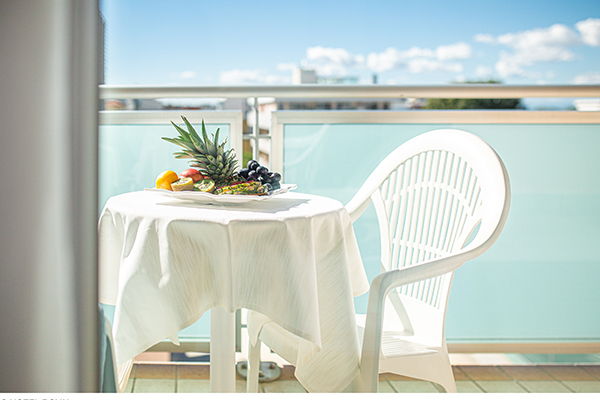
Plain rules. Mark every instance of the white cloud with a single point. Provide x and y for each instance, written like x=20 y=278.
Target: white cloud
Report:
x=415 y=51
x=590 y=31
x=540 y=45
x=187 y=75
x=333 y=56
x=420 y=65
x=391 y=58
x=484 y=38
x=511 y=65
x=418 y=59
x=533 y=46
x=286 y=66
x=457 y=51
x=537 y=45
x=591 y=78
x=336 y=61
x=329 y=61
x=557 y=35
x=483 y=71
x=258 y=76
x=325 y=69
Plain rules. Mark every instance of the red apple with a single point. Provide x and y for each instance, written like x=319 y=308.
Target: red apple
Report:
x=192 y=173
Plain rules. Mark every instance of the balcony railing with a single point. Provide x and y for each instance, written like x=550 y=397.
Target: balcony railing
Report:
x=364 y=92
x=536 y=290
x=315 y=91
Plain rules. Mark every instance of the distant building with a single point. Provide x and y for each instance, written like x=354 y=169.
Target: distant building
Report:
x=332 y=80
x=147 y=104
x=302 y=76
x=587 y=104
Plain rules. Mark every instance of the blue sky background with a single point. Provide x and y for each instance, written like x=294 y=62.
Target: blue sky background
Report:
x=231 y=42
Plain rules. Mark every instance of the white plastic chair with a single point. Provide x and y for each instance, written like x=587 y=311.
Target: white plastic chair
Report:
x=442 y=198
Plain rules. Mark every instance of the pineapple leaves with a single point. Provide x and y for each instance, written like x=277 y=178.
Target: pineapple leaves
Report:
x=184 y=135
x=180 y=142
x=209 y=156
x=183 y=155
x=194 y=135
x=191 y=129
x=216 y=138
x=210 y=146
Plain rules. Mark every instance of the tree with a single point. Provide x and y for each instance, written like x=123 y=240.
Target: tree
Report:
x=474 y=104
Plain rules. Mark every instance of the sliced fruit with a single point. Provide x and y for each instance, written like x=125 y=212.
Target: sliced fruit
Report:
x=205 y=185
x=192 y=173
x=246 y=188
x=164 y=180
x=182 y=184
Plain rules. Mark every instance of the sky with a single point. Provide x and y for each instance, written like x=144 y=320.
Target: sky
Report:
x=418 y=42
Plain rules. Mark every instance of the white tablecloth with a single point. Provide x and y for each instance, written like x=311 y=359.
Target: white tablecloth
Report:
x=292 y=258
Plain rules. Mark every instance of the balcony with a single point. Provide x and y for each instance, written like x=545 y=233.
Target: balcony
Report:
x=504 y=308
x=522 y=318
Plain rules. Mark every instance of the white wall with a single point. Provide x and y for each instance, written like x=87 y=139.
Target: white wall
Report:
x=48 y=195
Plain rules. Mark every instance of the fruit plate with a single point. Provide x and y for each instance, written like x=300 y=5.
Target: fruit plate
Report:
x=209 y=198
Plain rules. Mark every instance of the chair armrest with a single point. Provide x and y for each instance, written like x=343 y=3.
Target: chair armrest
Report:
x=381 y=285
x=359 y=203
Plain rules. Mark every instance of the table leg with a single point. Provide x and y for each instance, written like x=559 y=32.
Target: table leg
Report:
x=222 y=351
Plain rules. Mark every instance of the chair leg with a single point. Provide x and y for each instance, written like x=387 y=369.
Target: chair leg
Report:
x=449 y=386
x=253 y=367
x=447 y=381
x=446 y=376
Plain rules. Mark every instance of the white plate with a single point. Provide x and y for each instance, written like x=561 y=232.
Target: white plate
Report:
x=209 y=198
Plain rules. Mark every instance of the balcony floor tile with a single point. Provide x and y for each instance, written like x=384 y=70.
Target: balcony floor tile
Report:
x=154 y=386
x=413 y=387
x=181 y=377
x=545 y=387
x=583 y=386
x=498 y=386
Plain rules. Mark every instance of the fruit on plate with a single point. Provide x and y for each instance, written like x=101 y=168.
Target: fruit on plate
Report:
x=209 y=156
x=182 y=184
x=192 y=173
x=164 y=180
x=244 y=188
x=254 y=172
x=205 y=185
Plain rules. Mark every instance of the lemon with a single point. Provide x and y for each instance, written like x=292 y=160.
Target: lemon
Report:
x=182 y=184
x=205 y=185
x=164 y=180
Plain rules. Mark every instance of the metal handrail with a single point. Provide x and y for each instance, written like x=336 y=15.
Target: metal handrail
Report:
x=314 y=91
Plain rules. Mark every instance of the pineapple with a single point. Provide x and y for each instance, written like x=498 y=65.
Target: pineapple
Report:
x=208 y=155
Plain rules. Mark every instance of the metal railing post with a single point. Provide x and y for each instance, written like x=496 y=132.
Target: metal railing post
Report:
x=255 y=132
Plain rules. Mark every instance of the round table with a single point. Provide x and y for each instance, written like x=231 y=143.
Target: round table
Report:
x=292 y=258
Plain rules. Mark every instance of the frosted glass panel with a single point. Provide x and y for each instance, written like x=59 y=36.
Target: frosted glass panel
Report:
x=540 y=281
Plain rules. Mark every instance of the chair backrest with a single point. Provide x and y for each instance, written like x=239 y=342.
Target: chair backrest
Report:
x=433 y=195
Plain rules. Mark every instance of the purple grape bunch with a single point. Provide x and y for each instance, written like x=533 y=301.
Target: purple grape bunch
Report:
x=259 y=173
